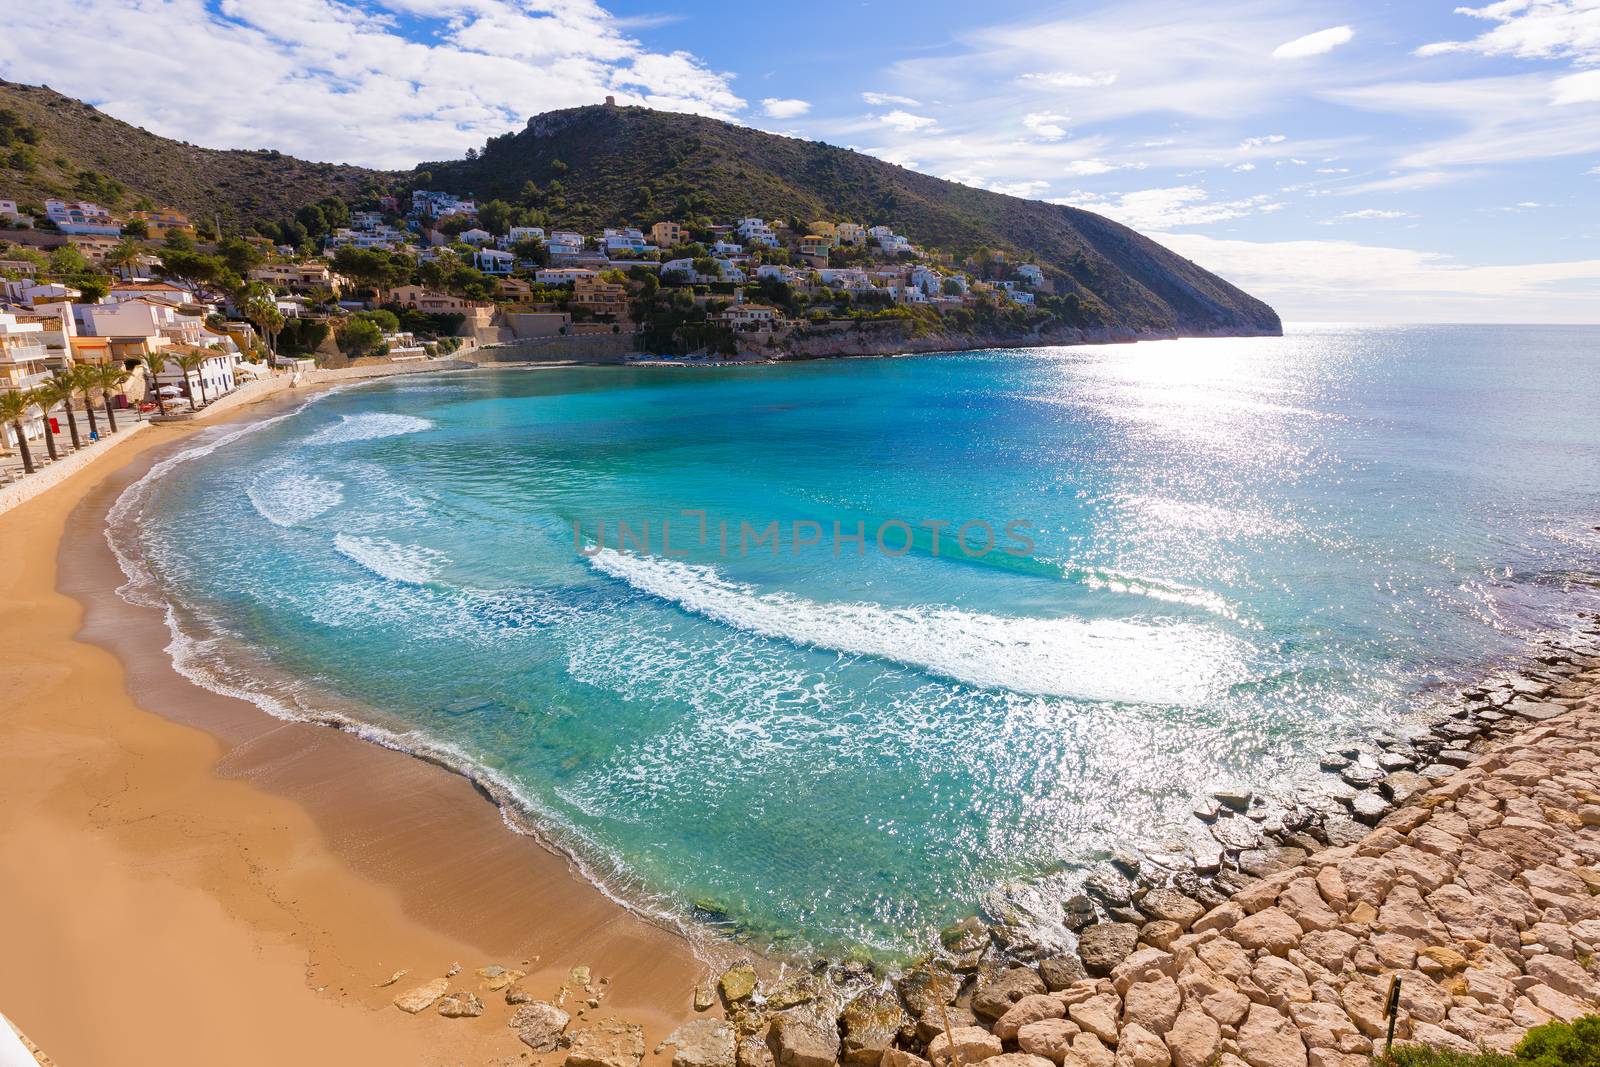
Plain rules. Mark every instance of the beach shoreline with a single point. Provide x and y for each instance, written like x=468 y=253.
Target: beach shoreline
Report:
x=155 y=832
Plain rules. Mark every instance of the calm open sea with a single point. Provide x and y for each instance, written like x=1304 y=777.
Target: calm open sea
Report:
x=1243 y=552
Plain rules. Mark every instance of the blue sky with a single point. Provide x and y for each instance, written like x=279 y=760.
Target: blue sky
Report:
x=1409 y=161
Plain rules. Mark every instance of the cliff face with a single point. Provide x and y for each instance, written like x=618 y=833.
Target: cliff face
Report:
x=597 y=166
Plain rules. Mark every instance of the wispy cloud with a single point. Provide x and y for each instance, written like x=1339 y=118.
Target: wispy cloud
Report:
x=906 y=122
x=1311 y=279
x=1050 y=125
x=1169 y=207
x=888 y=99
x=339 y=80
x=779 y=108
x=1070 y=79
x=1314 y=44
x=1367 y=214
x=1531 y=29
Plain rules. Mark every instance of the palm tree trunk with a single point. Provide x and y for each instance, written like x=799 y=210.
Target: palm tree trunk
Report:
x=49 y=439
x=88 y=407
x=72 y=423
x=22 y=446
x=105 y=398
x=204 y=399
x=155 y=387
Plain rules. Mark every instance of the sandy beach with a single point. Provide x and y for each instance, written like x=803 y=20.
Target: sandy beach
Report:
x=184 y=879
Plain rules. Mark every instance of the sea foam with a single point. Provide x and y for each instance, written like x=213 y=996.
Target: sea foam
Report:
x=1131 y=662
x=369 y=426
x=409 y=565
x=288 y=498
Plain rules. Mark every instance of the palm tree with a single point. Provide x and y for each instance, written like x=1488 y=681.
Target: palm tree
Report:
x=44 y=397
x=13 y=409
x=85 y=380
x=154 y=365
x=124 y=256
x=62 y=379
x=109 y=377
x=190 y=363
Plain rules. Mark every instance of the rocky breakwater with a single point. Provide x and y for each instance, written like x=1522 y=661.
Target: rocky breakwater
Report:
x=1476 y=886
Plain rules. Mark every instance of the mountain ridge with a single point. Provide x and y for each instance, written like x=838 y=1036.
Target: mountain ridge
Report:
x=603 y=165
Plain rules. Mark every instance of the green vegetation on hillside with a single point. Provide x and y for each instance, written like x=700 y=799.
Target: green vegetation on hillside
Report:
x=53 y=145
x=608 y=166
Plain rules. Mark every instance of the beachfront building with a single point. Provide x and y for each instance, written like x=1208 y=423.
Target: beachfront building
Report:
x=603 y=299
x=22 y=367
x=668 y=234
x=215 y=376
x=751 y=317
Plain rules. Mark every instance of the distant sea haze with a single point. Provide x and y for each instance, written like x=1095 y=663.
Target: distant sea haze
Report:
x=1240 y=553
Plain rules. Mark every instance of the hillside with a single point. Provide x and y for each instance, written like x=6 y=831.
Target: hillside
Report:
x=594 y=166
x=77 y=151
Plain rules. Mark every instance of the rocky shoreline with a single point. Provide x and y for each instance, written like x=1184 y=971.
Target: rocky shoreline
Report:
x=1462 y=862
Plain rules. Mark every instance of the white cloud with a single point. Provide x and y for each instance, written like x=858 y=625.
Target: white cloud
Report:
x=1022 y=188
x=1088 y=168
x=1314 y=44
x=1531 y=29
x=1312 y=280
x=1050 y=125
x=1256 y=142
x=778 y=108
x=887 y=99
x=1581 y=88
x=1071 y=79
x=337 y=80
x=1160 y=209
x=1367 y=214
x=1244 y=167
x=906 y=122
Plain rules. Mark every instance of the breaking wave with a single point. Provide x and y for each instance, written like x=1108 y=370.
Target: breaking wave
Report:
x=368 y=427
x=1129 y=662
x=289 y=498
x=409 y=565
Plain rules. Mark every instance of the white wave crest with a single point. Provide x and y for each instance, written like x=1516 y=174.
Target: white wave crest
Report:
x=1178 y=663
x=368 y=427
x=407 y=564
x=288 y=498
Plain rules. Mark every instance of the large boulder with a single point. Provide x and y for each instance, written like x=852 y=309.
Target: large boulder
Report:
x=702 y=1043
x=608 y=1043
x=1194 y=1039
x=737 y=983
x=539 y=1025
x=1104 y=945
x=801 y=1039
x=970 y=1044
x=871 y=1023
x=995 y=995
x=461 y=1005
x=1269 y=1038
x=923 y=988
x=423 y=996
x=1050 y=1038
x=1030 y=1009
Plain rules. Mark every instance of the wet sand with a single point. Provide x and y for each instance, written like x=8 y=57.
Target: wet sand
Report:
x=184 y=879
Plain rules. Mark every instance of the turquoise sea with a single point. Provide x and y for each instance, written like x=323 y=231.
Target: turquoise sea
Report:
x=1242 y=553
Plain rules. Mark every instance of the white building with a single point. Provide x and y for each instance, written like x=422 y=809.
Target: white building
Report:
x=561 y=275
x=429 y=203
x=1030 y=273
x=517 y=234
x=493 y=261
x=476 y=237
x=80 y=216
x=11 y=213
x=726 y=271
